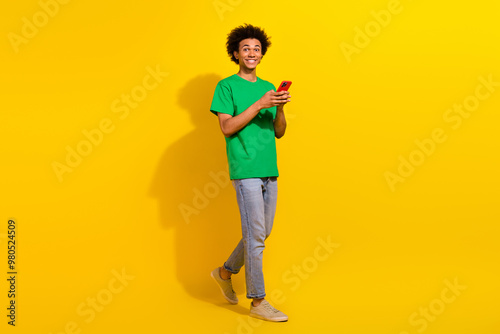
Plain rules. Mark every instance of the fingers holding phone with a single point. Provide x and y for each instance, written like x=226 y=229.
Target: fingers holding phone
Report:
x=283 y=93
x=273 y=99
x=278 y=98
x=282 y=97
x=284 y=87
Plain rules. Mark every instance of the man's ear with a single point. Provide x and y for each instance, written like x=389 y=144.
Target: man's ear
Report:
x=236 y=55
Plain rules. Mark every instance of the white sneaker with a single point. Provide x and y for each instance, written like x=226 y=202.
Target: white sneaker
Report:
x=226 y=286
x=266 y=311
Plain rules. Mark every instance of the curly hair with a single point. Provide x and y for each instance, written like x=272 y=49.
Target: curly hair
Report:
x=243 y=32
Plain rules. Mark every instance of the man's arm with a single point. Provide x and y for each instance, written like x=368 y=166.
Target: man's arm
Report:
x=279 y=122
x=232 y=124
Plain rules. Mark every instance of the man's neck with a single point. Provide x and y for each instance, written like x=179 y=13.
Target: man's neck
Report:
x=248 y=75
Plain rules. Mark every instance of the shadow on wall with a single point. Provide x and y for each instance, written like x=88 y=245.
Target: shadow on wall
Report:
x=196 y=196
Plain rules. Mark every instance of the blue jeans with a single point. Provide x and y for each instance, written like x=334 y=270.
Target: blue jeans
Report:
x=257 y=202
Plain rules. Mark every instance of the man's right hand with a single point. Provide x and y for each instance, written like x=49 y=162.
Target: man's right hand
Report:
x=273 y=99
x=232 y=124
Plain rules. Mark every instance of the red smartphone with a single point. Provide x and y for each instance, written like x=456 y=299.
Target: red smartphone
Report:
x=284 y=86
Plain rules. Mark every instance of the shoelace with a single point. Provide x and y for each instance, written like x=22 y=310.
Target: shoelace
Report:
x=231 y=287
x=270 y=308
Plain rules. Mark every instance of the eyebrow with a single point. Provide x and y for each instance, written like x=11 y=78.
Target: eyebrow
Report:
x=249 y=45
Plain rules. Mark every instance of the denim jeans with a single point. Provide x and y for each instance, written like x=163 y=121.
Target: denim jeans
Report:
x=257 y=202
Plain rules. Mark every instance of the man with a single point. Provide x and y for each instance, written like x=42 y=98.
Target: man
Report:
x=251 y=115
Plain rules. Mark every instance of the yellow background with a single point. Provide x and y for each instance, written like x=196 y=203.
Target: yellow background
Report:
x=348 y=123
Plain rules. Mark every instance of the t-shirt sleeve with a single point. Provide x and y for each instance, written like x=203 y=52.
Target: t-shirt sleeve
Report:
x=223 y=100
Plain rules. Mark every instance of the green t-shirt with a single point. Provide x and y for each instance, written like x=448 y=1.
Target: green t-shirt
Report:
x=251 y=152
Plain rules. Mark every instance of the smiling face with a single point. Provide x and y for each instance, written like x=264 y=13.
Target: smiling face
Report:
x=250 y=53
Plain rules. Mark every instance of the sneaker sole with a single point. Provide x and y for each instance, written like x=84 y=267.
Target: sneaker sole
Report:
x=257 y=316
x=230 y=301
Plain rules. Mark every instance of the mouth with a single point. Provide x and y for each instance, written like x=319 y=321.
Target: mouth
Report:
x=251 y=61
